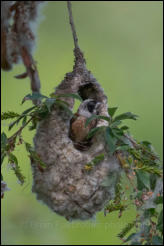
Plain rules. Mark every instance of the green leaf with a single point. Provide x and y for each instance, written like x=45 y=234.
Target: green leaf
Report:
x=34 y=124
x=110 y=140
x=14 y=165
x=94 y=116
x=139 y=195
x=150 y=212
x=146 y=143
x=124 y=147
x=62 y=102
x=130 y=237
x=126 y=141
x=160 y=222
x=125 y=116
x=49 y=102
x=64 y=106
x=28 y=147
x=126 y=229
x=3 y=155
x=9 y=115
x=153 y=180
x=37 y=159
x=4 y=140
x=115 y=124
x=34 y=155
x=95 y=161
x=15 y=122
x=156 y=240
x=27 y=97
x=52 y=95
x=159 y=200
x=150 y=170
x=143 y=179
x=75 y=96
x=124 y=128
x=34 y=96
x=94 y=131
x=98 y=158
x=13 y=159
x=28 y=110
x=24 y=120
x=42 y=113
x=118 y=133
x=111 y=111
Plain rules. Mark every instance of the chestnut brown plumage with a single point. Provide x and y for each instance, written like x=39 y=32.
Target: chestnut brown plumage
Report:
x=78 y=128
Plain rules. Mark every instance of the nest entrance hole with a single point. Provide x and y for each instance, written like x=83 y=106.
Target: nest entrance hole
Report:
x=88 y=91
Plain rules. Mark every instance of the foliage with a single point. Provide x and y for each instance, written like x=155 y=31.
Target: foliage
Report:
x=31 y=116
x=94 y=162
x=142 y=169
x=140 y=165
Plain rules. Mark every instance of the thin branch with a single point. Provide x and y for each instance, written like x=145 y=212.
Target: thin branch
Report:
x=72 y=24
x=135 y=145
x=31 y=69
x=23 y=40
x=20 y=130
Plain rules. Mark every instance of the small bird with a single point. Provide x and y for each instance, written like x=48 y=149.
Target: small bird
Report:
x=78 y=131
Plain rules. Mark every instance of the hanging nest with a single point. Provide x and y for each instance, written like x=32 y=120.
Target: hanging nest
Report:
x=65 y=185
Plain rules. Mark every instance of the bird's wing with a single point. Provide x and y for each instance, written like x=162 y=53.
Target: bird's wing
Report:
x=78 y=130
x=71 y=132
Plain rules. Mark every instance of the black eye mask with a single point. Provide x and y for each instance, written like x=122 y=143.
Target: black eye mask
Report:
x=91 y=106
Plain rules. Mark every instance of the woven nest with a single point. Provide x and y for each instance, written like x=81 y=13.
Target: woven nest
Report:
x=64 y=185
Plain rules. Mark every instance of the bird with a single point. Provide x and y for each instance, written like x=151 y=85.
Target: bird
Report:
x=78 y=130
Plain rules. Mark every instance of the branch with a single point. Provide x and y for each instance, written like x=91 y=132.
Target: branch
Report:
x=72 y=24
x=18 y=38
x=25 y=39
x=31 y=70
x=20 y=130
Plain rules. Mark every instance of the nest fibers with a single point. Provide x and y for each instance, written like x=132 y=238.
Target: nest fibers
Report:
x=64 y=185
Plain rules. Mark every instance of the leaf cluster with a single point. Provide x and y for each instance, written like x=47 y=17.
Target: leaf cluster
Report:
x=140 y=163
x=143 y=169
x=32 y=116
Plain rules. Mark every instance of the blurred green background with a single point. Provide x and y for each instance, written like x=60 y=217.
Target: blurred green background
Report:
x=122 y=43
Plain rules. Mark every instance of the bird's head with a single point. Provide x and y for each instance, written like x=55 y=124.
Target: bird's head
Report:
x=89 y=107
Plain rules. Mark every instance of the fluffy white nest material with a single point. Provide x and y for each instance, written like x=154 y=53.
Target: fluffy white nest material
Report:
x=64 y=185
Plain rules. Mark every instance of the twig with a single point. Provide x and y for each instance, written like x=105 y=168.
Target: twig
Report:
x=136 y=146
x=20 y=130
x=31 y=70
x=72 y=25
x=23 y=12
